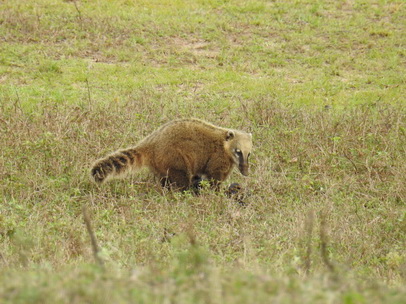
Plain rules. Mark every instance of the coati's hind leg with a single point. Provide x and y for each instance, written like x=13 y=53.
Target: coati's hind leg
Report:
x=177 y=180
x=195 y=184
x=179 y=175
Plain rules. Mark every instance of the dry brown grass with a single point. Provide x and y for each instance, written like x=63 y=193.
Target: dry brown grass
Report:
x=347 y=165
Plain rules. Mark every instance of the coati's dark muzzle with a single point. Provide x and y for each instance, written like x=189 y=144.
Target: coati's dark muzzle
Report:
x=243 y=167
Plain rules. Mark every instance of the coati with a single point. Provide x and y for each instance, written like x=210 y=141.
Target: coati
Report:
x=181 y=153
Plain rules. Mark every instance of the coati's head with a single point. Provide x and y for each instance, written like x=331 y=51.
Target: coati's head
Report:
x=239 y=145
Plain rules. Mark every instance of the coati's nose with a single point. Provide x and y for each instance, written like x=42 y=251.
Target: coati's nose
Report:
x=243 y=169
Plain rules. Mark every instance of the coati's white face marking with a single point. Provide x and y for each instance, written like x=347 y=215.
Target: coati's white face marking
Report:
x=239 y=144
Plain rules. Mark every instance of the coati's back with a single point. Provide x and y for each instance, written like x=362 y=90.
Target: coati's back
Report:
x=191 y=129
x=176 y=152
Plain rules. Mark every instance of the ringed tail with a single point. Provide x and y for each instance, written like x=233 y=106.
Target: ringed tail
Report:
x=115 y=164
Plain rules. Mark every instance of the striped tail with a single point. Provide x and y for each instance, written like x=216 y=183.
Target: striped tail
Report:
x=115 y=164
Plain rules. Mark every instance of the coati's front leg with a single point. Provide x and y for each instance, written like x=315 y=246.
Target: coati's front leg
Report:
x=217 y=173
x=215 y=181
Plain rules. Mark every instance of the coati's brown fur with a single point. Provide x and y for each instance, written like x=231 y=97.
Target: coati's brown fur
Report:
x=181 y=152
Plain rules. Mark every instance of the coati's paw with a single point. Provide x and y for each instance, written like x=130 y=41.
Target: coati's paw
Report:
x=236 y=192
x=234 y=188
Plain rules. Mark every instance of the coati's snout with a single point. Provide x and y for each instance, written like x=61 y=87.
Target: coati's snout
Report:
x=243 y=169
x=243 y=164
x=240 y=144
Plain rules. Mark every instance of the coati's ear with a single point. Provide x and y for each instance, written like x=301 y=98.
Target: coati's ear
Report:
x=230 y=135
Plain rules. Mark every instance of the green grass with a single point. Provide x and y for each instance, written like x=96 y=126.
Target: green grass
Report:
x=321 y=86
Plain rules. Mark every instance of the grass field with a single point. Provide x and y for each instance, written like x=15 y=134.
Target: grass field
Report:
x=320 y=84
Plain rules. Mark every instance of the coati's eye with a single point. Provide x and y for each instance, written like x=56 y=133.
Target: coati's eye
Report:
x=238 y=151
